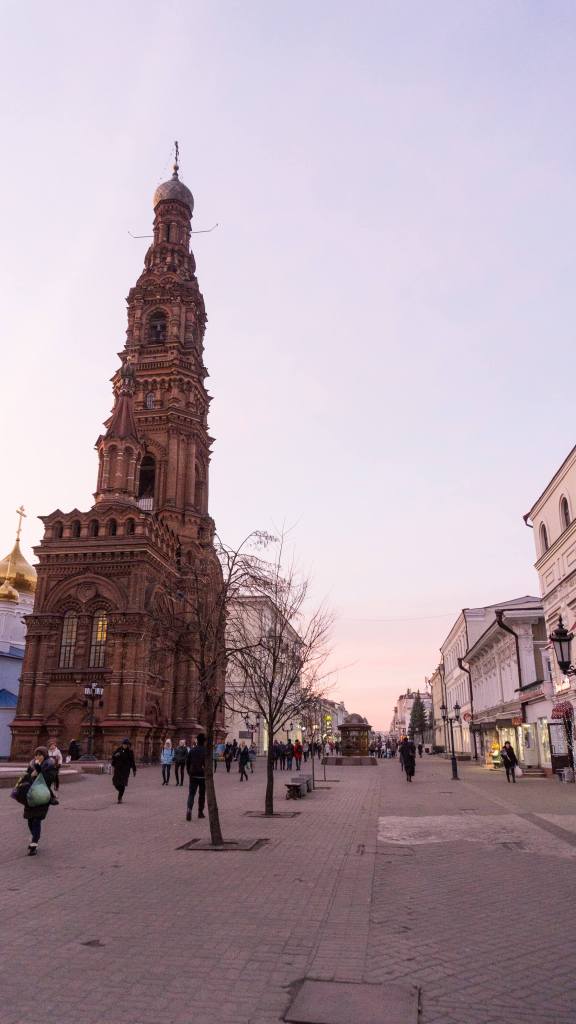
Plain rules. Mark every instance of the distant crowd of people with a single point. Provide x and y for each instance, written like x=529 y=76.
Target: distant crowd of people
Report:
x=37 y=788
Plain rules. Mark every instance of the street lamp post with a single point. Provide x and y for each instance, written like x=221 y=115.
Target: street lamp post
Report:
x=448 y=718
x=561 y=641
x=288 y=731
x=92 y=693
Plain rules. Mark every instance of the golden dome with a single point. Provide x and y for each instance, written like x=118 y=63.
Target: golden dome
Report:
x=15 y=570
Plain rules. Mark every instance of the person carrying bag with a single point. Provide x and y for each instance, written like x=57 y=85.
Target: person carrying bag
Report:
x=34 y=791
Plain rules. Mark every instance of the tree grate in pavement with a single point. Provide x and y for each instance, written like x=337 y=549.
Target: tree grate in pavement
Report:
x=277 y=814
x=228 y=846
x=344 y=1002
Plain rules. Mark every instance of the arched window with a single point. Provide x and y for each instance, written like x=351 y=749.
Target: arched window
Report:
x=68 y=643
x=57 y=531
x=147 y=478
x=94 y=528
x=112 y=527
x=564 y=513
x=130 y=527
x=76 y=527
x=150 y=400
x=198 y=488
x=98 y=639
x=157 y=327
x=544 y=538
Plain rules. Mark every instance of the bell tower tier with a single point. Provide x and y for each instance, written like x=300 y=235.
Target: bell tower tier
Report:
x=164 y=349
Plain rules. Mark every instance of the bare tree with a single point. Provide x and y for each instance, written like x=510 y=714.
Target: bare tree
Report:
x=278 y=651
x=195 y=613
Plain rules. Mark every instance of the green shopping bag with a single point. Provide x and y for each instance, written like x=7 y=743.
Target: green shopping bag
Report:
x=38 y=795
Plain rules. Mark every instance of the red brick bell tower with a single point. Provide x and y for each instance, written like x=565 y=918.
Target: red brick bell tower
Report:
x=103 y=573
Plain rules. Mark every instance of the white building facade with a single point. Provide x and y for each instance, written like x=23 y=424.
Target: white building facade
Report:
x=467 y=629
x=552 y=517
x=506 y=671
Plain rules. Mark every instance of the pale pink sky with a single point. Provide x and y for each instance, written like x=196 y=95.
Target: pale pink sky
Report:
x=391 y=322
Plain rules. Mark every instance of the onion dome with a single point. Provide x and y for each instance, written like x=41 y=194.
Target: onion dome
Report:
x=17 y=572
x=175 y=190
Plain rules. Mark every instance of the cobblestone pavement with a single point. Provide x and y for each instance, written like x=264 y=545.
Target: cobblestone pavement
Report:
x=462 y=888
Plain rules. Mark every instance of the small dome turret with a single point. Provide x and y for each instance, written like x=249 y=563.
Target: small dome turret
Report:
x=174 y=189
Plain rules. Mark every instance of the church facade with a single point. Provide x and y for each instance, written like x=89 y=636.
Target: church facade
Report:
x=106 y=577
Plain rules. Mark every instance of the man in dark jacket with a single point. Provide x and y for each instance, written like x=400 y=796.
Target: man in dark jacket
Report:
x=123 y=763
x=180 y=755
x=195 y=767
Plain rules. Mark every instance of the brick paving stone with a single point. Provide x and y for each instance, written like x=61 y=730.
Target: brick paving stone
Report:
x=485 y=930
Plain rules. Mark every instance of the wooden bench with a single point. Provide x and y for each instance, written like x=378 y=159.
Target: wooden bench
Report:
x=296 y=789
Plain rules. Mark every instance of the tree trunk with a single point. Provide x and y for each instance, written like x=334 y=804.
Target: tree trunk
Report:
x=269 y=802
x=216 y=836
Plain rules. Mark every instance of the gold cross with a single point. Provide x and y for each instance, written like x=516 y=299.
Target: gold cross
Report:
x=22 y=515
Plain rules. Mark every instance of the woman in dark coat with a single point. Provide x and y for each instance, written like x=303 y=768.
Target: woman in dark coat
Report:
x=123 y=763
x=45 y=766
x=509 y=760
x=408 y=758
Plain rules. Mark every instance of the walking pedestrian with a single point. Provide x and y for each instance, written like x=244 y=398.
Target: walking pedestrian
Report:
x=282 y=755
x=228 y=757
x=420 y=748
x=289 y=755
x=408 y=758
x=34 y=790
x=252 y=753
x=166 y=759
x=195 y=765
x=509 y=760
x=180 y=755
x=56 y=755
x=74 y=750
x=123 y=763
x=235 y=749
x=298 y=755
x=243 y=759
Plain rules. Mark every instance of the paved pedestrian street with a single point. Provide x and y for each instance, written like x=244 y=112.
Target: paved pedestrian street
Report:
x=461 y=889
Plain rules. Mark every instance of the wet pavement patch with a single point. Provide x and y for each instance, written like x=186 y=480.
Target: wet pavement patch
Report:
x=343 y=1002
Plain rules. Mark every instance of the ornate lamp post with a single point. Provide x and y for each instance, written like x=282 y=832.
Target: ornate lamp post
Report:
x=448 y=718
x=561 y=641
x=251 y=726
x=92 y=693
x=288 y=731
